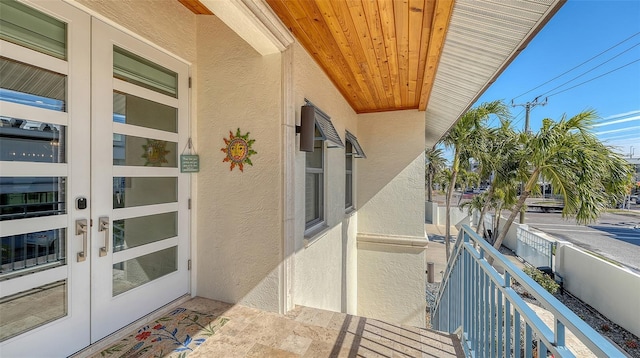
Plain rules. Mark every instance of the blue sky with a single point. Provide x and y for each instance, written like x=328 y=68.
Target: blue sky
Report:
x=579 y=31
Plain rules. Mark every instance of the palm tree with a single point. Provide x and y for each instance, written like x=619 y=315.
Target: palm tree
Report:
x=465 y=139
x=475 y=204
x=435 y=163
x=499 y=162
x=443 y=178
x=589 y=175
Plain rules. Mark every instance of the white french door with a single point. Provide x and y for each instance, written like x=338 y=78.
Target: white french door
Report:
x=94 y=220
x=140 y=199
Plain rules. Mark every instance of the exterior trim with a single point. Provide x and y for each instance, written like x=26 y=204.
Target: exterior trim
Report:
x=394 y=240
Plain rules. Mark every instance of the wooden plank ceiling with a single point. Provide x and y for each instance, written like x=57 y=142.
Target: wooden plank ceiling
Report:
x=382 y=55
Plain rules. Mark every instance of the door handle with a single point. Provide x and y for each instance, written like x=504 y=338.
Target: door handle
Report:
x=103 y=225
x=81 y=229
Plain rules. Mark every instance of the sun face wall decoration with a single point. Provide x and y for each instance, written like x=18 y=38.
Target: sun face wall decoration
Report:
x=238 y=150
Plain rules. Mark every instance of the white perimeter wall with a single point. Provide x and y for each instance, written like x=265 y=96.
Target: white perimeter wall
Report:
x=613 y=291
x=325 y=270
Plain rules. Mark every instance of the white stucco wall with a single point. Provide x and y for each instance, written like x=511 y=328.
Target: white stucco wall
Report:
x=391 y=179
x=149 y=19
x=391 y=237
x=325 y=269
x=391 y=279
x=239 y=229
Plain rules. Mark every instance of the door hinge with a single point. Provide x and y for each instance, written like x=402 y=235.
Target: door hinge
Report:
x=189 y=204
x=189 y=264
x=189 y=82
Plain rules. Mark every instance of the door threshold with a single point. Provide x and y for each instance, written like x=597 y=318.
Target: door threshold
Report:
x=122 y=332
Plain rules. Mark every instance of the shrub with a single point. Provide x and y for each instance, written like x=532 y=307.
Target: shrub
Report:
x=631 y=344
x=542 y=279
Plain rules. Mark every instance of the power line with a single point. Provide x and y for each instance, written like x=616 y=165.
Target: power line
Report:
x=564 y=73
x=593 y=68
x=595 y=78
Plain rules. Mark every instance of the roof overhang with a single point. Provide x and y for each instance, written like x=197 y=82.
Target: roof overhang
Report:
x=390 y=55
x=483 y=38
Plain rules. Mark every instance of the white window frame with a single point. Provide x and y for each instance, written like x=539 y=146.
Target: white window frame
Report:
x=348 y=158
x=312 y=225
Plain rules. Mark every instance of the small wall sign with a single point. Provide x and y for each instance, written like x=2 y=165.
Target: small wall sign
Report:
x=189 y=163
x=238 y=150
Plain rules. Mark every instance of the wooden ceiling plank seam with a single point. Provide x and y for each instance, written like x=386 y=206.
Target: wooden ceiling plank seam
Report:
x=377 y=38
x=401 y=12
x=334 y=61
x=335 y=27
x=345 y=31
x=442 y=17
x=427 y=20
x=364 y=37
x=416 y=14
x=387 y=20
x=335 y=58
x=284 y=13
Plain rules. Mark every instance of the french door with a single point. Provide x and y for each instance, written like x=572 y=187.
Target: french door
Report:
x=94 y=220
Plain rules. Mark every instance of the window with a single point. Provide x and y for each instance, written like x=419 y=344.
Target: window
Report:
x=324 y=131
x=314 y=184
x=352 y=150
x=348 y=186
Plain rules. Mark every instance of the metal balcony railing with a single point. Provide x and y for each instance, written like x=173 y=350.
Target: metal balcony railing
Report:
x=479 y=304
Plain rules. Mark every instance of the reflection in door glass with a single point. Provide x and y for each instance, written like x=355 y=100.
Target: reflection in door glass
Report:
x=132 y=232
x=30 y=141
x=142 y=72
x=138 y=191
x=136 y=272
x=28 y=197
x=141 y=112
x=136 y=151
x=32 y=86
x=32 y=29
x=29 y=309
x=33 y=251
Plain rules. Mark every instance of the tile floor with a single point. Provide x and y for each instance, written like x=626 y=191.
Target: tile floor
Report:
x=309 y=332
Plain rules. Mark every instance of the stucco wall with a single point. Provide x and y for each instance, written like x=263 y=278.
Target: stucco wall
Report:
x=322 y=268
x=391 y=179
x=391 y=279
x=391 y=236
x=239 y=229
x=150 y=19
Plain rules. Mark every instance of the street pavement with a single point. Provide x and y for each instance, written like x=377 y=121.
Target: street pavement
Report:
x=613 y=236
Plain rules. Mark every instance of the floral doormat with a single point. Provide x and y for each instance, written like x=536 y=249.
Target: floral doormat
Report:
x=175 y=335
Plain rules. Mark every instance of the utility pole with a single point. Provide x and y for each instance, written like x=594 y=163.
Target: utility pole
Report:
x=527 y=106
